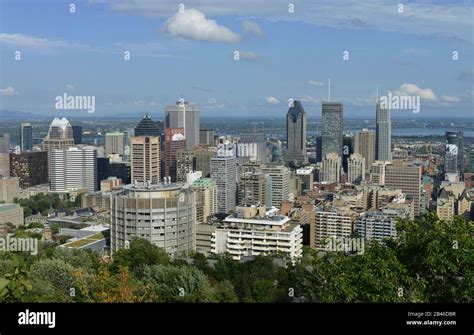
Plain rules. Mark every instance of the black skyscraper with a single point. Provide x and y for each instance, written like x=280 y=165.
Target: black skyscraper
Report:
x=147 y=127
x=77 y=134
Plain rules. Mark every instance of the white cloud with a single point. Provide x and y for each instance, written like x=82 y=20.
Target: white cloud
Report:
x=412 y=89
x=193 y=24
x=37 y=43
x=253 y=28
x=7 y=91
x=272 y=100
x=315 y=83
x=429 y=19
x=449 y=98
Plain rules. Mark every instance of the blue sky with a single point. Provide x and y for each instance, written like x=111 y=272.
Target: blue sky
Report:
x=282 y=55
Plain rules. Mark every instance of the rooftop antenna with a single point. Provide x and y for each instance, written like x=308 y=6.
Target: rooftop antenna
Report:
x=329 y=88
x=377 y=93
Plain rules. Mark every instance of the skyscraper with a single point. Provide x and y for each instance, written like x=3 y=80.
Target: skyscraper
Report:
x=258 y=137
x=184 y=116
x=457 y=138
x=147 y=127
x=145 y=157
x=206 y=137
x=451 y=159
x=280 y=183
x=383 y=133
x=73 y=169
x=407 y=177
x=206 y=198
x=332 y=128
x=31 y=167
x=174 y=141
x=114 y=143
x=331 y=168
x=364 y=144
x=77 y=134
x=26 y=137
x=60 y=135
x=224 y=173
x=251 y=189
x=356 y=169
x=4 y=143
x=296 y=133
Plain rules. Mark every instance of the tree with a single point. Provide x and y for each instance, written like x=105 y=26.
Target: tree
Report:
x=439 y=255
x=141 y=253
x=55 y=271
x=15 y=284
x=178 y=284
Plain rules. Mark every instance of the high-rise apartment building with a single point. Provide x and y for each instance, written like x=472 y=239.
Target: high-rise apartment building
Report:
x=296 y=133
x=185 y=163
x=183 y=115
x=145 y=158
x=280 y=182
x=331 y=168
x=224 y=173
x=206 y=198
x=364 y=144
x=383 y=133
x=73 y=169
x=377 y=172
x=407 y=177
x=251 y=190
x=26 y=137
x=356 y=169
x=329 y=224
x=332 y=128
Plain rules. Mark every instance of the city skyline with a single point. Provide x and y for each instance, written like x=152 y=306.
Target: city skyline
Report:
x=416 y=56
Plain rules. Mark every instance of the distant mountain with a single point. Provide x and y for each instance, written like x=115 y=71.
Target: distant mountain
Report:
x=16 y=115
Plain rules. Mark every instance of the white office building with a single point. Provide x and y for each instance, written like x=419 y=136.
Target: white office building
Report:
x=73 y=169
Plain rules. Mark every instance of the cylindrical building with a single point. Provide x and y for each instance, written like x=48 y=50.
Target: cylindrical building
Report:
x=164 y=214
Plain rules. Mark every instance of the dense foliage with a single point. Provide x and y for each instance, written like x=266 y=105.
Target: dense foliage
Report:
x=431 y=261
